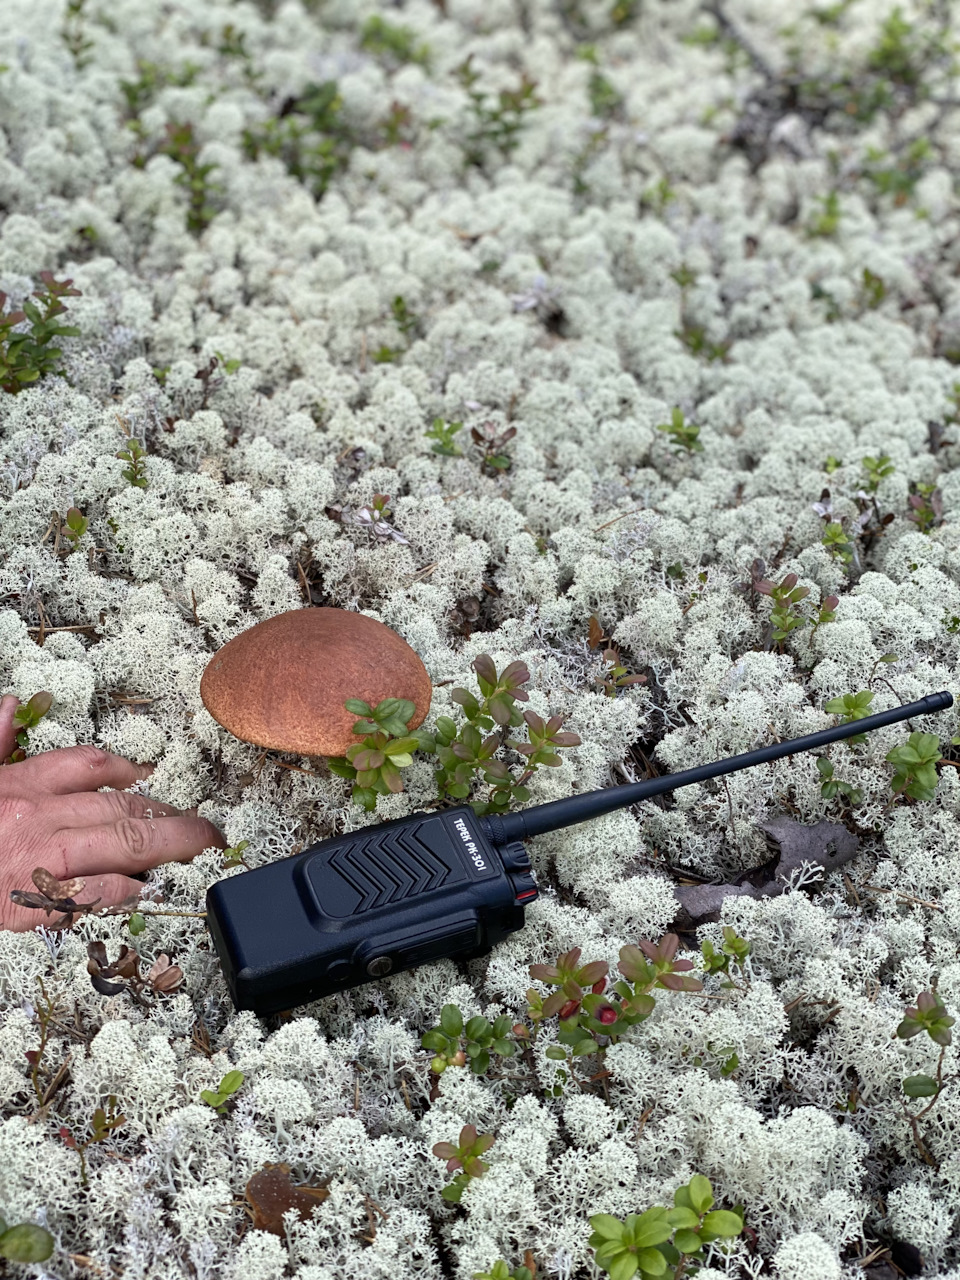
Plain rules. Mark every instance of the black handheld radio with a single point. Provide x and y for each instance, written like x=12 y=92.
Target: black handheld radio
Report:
x=399 y=894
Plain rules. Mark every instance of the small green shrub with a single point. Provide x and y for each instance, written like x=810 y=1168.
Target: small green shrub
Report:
x=916 y=760
x=683 y=435
x=373 y=765
x=74 y=527
x=219 y=1097
x=877 y=469
x=378 y=36
x=648 y=1244
x=465 y=1156
x=501 y=1271
x=837 y=543
x=926 y=506
x=27 y=355
x=181 y=145
x=496 y=120
x=26 y=717
x=455 y=1043
x=850 y=707
x=136 y=472
x=442 y=435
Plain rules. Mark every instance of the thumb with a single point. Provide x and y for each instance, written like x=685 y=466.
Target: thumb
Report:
x=8 y=738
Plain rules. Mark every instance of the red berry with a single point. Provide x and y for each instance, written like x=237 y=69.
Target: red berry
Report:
x=607 y=1015
x=599 y=987
x=569 y=1009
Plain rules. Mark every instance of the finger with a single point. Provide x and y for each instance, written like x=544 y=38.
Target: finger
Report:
x=135 y=844
x=97 y=808
x=85 y=768
x=8 y=738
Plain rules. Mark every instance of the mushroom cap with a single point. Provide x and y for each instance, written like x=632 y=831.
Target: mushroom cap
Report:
x=282 y=683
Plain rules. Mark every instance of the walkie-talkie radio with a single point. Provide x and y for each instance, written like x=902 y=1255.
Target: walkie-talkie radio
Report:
x=447 y=883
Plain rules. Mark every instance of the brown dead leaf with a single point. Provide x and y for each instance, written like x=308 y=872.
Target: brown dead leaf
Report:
x=164 y=976
x=270 y=1193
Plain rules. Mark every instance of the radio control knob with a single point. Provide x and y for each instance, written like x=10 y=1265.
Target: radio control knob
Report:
x=524 y=887
x=514 y=856
x=379 y=966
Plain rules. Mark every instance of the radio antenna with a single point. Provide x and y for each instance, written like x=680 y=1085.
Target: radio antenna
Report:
x=592 y=804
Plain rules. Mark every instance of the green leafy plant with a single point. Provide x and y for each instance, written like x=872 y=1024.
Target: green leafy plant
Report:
x=136 y=472
x=310 y=137
x=926 y=503
x=455 y=1043
x=501 y=1271
x=877 y=469
x=826 y=222
x=465 y=1156
x=928 y=1015
x=378 y=36
x=28 y=355
x=694 y=337
x=616 y=676
x=219 y=1097
x=373 y=765
x=850 y=707
x=589 y=1021
x=683 y=435
x=647 y=1244
x=836 y=542
x=492 y=442
x=733 y=949
x=831 y=464
x=915 y=761
x=233 y=856
x=137 y=924
x=25 y=1242
x=406 y=322
x=180 y=143
x=873 y=290
x=74 y=527
x=465 y=752
x=784 y=595
x=104 y=1122
x=496 y=119
x=443 y=436
x=26 y=717
x=832 y=786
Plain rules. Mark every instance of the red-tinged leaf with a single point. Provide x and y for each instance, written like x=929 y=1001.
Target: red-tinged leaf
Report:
x=164 y=976
x=680 y=966
x=568 y=738
x=764 y=587
x=97 y=952
x=649 y=949
x=485 y=668
x=544 y=973
x=468 y=1136
x=830 y=603
x=445 y=1150
x=534 y=721
x=595 y=632
x=569 y=960
x=668 y=946
x=68 y=1139
x=789 y=582
x=553 y=1004
x=33 y=1057
x=595 y=971
x=516 y=673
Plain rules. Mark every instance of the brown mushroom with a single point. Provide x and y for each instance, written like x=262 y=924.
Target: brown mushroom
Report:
x=282 y=683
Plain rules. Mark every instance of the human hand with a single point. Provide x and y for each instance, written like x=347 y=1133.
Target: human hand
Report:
x=52 y=815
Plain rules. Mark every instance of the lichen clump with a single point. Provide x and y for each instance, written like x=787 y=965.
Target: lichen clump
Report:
x=549 y=331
